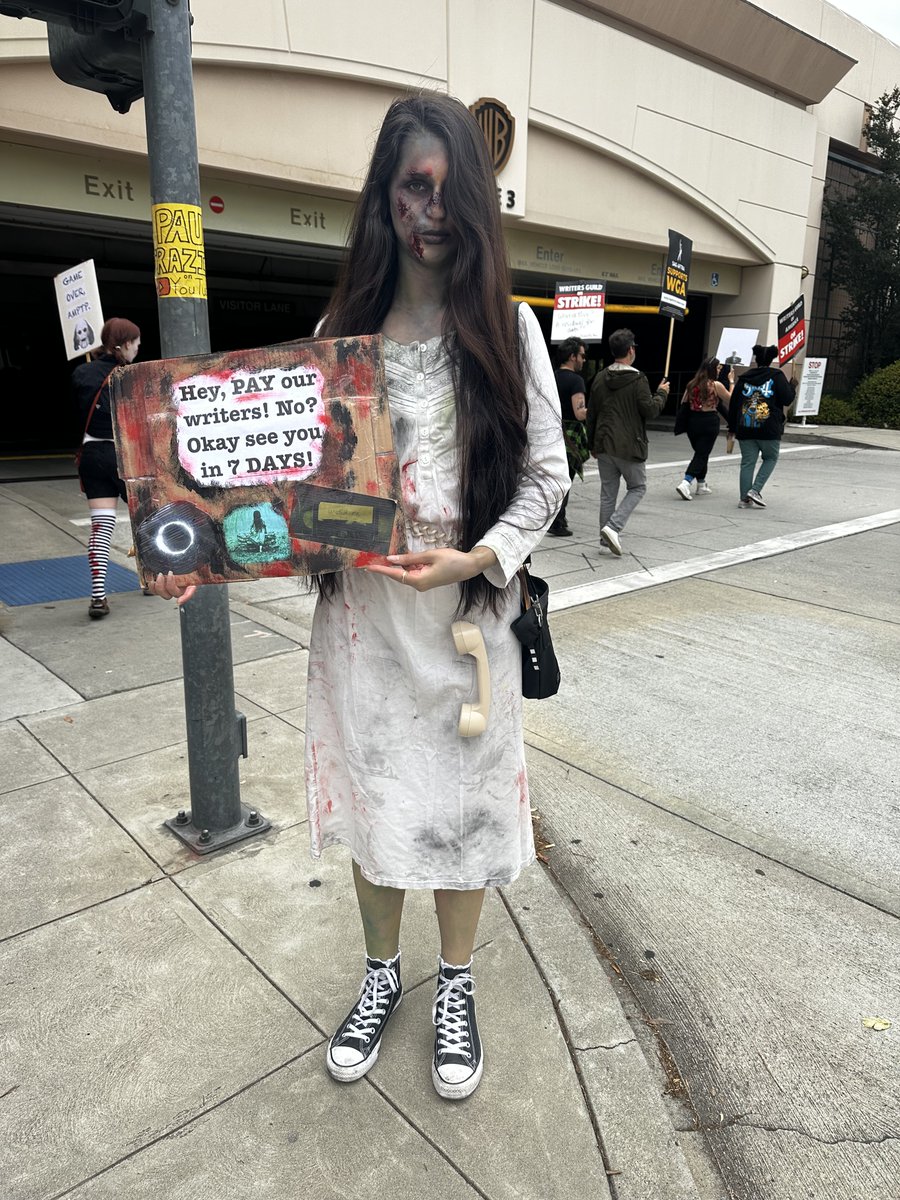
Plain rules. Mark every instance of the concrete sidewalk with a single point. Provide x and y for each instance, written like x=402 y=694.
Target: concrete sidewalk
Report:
x=164 y=1016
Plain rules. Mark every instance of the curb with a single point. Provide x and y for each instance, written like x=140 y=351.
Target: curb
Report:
x=816 y=434
x=640 y=1147
x=825 y=439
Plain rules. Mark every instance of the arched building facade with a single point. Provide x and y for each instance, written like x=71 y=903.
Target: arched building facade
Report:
x=712 y=117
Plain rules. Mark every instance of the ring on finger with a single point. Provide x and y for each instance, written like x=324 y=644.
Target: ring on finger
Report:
x=403 y=577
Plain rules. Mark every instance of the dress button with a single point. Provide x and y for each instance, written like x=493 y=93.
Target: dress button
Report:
x=421 y=375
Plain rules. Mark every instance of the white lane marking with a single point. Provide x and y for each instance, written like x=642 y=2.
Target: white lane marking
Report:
x=677 y=463
x=602 y=589
x=735 y=455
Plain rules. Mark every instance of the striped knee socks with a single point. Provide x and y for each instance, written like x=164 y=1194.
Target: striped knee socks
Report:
x=103 y=522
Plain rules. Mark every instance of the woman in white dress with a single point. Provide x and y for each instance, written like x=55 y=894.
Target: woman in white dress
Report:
x=476 y=425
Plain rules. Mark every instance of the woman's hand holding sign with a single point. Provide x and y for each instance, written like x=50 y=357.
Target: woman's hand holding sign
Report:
x=427 y=569
x=169 y=588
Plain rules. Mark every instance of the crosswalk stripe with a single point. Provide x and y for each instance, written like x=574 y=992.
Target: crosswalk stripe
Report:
x=603 y=589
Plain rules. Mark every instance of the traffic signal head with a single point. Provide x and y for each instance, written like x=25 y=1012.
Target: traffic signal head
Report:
x=84 y=16
x=94 y=44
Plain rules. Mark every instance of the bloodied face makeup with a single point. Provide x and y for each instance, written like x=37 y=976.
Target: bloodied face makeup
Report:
x=418 y=213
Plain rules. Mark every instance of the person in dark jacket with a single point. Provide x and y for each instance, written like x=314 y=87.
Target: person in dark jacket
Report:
x=620 y=404
x=756 y=418
x=100 y=482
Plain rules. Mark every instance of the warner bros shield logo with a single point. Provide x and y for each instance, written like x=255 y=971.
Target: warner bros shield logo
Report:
x=499 y=128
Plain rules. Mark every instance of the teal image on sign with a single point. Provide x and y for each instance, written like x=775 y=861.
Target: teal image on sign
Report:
x=256 y=533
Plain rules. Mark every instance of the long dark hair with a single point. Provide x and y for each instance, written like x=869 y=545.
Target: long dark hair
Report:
x=707 y=373
x=479 y=329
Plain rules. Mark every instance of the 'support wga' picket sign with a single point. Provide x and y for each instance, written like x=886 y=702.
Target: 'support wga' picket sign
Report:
x=673 y=299
x=259 y=463
x=578 y=311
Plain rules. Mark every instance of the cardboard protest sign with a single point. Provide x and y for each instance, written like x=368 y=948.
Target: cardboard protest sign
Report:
x=791 y=331
x=259 y=463
x=80 y=313
x=673 y=299
x=578 y=311
x=736 y=346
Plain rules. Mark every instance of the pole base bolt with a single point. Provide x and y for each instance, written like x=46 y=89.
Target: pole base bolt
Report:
x=182 y=818
x=205 y=836
x=253 y=818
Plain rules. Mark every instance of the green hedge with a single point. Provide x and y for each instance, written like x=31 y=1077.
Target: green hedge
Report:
x=877 y=398
x=836 y=410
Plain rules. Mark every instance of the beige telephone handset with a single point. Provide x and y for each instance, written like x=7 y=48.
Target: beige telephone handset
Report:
x=468 y=640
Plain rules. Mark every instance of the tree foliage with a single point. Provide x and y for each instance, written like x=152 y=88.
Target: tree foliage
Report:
x=864 y=235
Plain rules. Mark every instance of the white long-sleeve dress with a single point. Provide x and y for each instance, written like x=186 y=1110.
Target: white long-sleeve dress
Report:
x=387 y=773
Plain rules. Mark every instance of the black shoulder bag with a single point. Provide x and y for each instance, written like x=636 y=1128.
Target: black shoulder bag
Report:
x=540 y=670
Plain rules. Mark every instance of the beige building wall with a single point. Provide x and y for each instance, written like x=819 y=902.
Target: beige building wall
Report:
x=621 y=133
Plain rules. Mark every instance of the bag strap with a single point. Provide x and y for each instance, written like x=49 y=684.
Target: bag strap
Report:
x=93 y=406
x=523 y=584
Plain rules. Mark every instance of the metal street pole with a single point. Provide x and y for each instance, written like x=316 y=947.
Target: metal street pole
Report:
x=216 y=733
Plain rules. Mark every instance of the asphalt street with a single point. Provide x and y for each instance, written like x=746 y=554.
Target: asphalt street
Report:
x=717 y=786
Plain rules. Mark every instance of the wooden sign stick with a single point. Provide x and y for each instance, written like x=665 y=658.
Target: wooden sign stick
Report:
x=669 y=351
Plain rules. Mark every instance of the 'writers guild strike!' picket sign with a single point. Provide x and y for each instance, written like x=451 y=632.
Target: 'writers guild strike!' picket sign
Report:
x=791 y=331
x=259 y=463
x=578 y=310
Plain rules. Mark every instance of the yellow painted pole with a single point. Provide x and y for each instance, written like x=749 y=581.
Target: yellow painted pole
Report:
x=547 y=302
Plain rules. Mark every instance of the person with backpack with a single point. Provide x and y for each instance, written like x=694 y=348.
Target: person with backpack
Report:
x=756 y=418
x=570 y=358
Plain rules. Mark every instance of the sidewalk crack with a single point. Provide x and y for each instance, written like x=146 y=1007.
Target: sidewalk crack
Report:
x=601 y=1046
x=822 y=1141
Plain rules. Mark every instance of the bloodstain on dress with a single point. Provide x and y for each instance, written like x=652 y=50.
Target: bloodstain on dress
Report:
x=387 y=773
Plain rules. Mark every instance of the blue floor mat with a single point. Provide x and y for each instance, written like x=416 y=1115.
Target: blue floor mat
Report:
x=46 y=579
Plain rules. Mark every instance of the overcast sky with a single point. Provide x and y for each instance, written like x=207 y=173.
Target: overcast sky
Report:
x=880 y=15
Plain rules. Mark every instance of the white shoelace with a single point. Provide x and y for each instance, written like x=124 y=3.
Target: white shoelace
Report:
x=450 y=1015
x=374 y=996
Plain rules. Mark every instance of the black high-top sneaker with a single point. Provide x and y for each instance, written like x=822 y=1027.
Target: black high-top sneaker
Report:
x=354 y=1048
x=458 y=1058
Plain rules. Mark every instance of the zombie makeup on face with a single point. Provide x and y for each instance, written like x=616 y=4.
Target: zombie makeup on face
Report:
x=417 y=199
